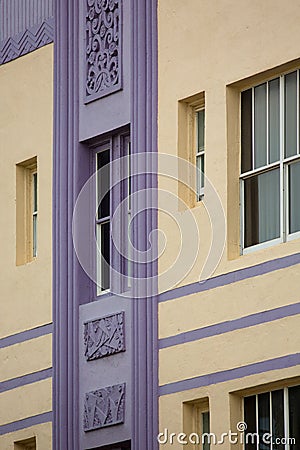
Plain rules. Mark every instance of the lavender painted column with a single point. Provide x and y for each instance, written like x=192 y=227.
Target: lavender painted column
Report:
x=70 y=170
x=144 y=140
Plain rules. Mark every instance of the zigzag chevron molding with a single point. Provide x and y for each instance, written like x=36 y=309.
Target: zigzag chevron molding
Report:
x=28 y=41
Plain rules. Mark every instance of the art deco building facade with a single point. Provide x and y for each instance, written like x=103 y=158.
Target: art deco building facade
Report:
x=175 y=225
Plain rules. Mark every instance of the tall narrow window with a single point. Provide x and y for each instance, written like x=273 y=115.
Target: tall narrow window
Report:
x=270 y=162
x=205 y=419
x=113 y=214
x=200 y=151
x=103 y=220
x=26 y=211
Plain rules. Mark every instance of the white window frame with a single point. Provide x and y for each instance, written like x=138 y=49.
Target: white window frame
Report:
x=283 y=164
x=199 y=154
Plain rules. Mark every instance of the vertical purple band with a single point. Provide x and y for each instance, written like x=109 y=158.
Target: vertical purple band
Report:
x=144 y=140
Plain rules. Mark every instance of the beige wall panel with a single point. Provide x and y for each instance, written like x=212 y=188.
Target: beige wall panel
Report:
x=230 y=350
x=42 y=432
x=25 y=401
x=26 y=109
x=26 y=357
x=229 y=302
x=222 y=43
x=225 y=408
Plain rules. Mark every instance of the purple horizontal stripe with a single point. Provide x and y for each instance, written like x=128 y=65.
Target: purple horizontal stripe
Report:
x=231 y=277
x=26 y=335
x=25 y=379
x=26 y=423
x=231 y=325
x=231 y=374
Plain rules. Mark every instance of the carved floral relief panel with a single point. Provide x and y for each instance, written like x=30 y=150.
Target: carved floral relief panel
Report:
x=103 y=48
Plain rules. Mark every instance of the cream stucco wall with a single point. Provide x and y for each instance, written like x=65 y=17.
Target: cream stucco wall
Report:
x=26 y=91
x=218 y=48
x=206 y=46
x=26 y=121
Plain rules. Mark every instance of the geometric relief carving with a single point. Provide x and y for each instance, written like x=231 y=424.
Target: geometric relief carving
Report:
x=104 y=336
x=104 y=407
x=103 y=48
x=31 y=39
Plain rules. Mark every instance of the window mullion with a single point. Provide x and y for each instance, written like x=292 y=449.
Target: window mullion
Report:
x=253 y=131
x=257 y=424
x=267 y=123
x=286 y=417
x=282 y=190
x=271 y=421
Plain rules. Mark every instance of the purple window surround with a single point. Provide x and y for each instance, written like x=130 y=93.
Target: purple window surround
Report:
x=71 y=170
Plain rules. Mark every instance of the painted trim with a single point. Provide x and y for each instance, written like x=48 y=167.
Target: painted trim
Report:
x=28 y=41
x=231 y=325
x=26 y=423
x=26 y=335
x=30 y=378
x=144 y=92
x=282 y=362
x=231 y=277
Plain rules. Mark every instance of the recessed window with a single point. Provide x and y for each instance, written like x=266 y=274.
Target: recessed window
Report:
x=26 y=211
x=113 y=186
x=272 y=418
x=26 y=444
x=270 y=162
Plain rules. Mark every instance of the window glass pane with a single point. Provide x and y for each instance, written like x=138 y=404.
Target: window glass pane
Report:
x=274 y=136
x=277 y=418
x=250 y=420
x=200 y=174
x=263 y=419
x=290 y=116
x=205 y=429
x=262 y=207
x=103 y=256
x=294 y=197
x=260 y=126
x=294 y=416
x=35 y=192
x=201 y=125
x=103 y=181
x=246 y=105
x=34 y=235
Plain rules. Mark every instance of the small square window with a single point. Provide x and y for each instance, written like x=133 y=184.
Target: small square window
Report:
x=26 y=444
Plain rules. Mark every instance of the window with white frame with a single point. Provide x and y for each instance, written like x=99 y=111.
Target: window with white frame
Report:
x=273 y=420
x=200 y=150
x=34 y=212
x=113 y=188
x=270 y=162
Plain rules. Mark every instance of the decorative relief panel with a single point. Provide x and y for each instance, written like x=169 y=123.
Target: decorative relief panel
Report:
x=104 y=336
x=103 y=48
x=104 y=407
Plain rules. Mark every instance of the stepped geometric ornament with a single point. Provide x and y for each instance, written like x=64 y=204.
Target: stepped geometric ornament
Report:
x=104 y=407
x=104 y=336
